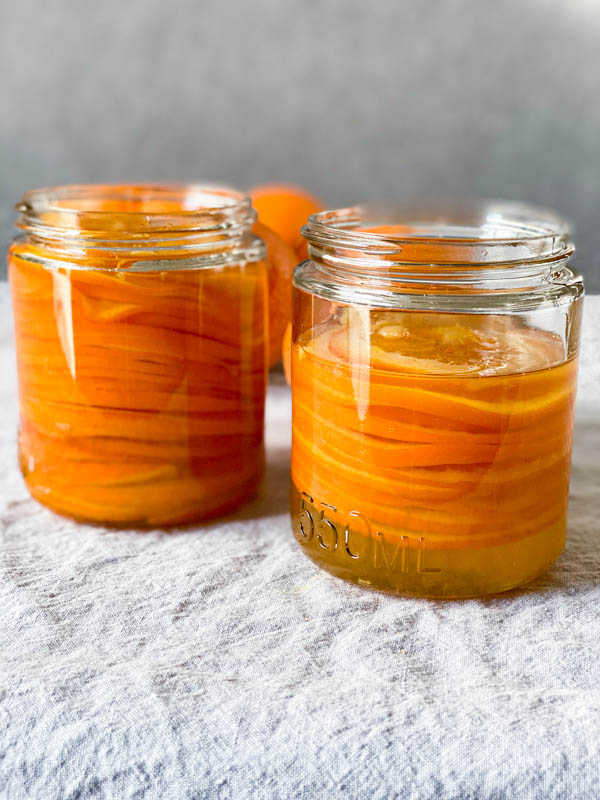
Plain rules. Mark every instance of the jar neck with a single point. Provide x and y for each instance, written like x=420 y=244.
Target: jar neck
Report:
x=440 y=248
x=141 y=221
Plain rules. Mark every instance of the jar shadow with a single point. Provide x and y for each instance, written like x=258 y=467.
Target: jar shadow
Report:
x=273 y=497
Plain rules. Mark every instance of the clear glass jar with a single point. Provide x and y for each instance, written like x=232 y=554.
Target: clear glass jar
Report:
x=434 y=364
x=141 y=334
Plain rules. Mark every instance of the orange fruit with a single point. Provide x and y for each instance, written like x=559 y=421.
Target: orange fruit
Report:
x=285 y=208
x=286 y=353
x=281 y=260
x=282 y=210
x=302 y=252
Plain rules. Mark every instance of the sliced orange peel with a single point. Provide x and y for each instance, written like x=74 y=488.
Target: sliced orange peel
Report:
x=434 y=426
x=142 y=394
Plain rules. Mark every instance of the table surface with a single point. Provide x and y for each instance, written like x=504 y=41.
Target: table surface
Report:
x=219 y=662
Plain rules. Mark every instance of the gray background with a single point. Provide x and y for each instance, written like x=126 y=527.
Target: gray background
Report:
x=354 y=99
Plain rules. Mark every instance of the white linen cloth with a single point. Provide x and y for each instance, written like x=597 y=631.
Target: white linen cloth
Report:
x=219 y=662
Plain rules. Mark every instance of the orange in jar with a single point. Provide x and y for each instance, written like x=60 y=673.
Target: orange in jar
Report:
x=141 y=333
x=432 y=431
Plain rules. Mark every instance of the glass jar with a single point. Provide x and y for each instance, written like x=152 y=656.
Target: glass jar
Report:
x=434 y=363
x=141 y=333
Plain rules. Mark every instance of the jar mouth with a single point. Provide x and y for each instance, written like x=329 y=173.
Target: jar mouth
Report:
x=462 y=232
x=122 y=211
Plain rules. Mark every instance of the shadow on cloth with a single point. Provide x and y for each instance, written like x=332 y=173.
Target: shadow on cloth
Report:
x=274 y=493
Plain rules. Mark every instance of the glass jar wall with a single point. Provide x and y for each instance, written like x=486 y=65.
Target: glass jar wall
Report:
x=434 y=365
x=140 y=320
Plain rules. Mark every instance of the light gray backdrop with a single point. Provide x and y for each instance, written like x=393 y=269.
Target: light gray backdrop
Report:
x=355 y=99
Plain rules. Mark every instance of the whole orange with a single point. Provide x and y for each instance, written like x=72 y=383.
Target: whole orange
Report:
x=281 y=260
x=282 y=210
x=285 y=208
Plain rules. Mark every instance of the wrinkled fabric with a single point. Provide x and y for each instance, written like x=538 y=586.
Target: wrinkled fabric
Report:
x=219 y=662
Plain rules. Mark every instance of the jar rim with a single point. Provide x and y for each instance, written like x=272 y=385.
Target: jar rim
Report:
x=133 y=209
x=447 y=231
